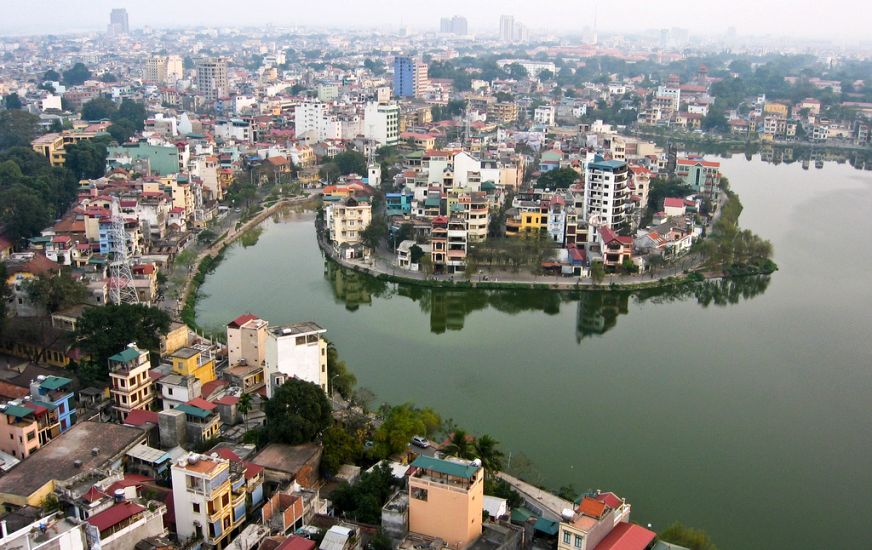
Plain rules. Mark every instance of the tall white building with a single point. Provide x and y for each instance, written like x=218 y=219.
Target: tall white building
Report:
x=212 y=78
x=295 y=351
x=606 y=192
x=507 y=28
x=163 y=69
x=381 y=122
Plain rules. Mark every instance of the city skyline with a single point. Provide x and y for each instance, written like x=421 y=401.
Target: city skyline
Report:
x=776 y=18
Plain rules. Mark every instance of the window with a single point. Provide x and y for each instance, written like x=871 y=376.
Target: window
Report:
x=31 y=436
x=578 y=540
x=419 y=494
x=196 y=507
x=567 y=537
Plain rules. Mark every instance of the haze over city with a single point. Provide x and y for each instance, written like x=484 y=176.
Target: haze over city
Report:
x=777 y=18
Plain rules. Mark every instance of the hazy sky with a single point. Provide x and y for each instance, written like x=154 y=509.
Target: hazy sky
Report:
x=835 y=19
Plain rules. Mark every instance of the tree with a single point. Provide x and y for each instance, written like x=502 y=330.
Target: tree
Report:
x=23 y=212
x=12 y=101
x=108 y=77
x=694 y=539
x=516 y=71
x=568 y=492
x=405 y=232
x=560 y=178
x=363 y=501
x=380 y=541
x=5 y=296
x=374 y=233
x=86 y=159
x=17 y=128
x=487 y=450
x=597 y=272
x=244 y=407
x=460 y=444
x=99 y=108
x=341 y=379
x=545 y=75
x=121 y=131
x=350 y=162
x=76 y=75
x=104 y=331
x=52 y=75
x=715 y=120
x=56 y=291
x=401 y=423
x=297 y=413
x=415 y=254
x=130 y=112
x=339 y=448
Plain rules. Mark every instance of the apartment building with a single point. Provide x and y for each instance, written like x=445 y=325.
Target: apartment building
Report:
x=55 y=393
x=347 y=220
x=446 y=499
x=475 y=208
x=202 y=499
x=381 y=122
x=53 y=146
x=19 y=432
x=703 y=176
x=163 y=69
x=502 y=112
x=246 y=340
x=606 y=191
x=457 y=246
x=130 y=385
x=591 y=521
x=212 y=78
x=410 y=77
x=296 y=351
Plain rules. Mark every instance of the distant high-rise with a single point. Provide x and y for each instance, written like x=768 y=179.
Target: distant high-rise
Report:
x=410 y=77
x=212 y=78
x=507 y=28
x=118 y=22
x=163 y=69
x=453 y=25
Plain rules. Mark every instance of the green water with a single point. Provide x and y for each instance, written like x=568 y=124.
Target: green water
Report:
x=742 y=408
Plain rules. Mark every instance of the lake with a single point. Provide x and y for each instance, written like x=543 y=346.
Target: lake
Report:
x=742 y=408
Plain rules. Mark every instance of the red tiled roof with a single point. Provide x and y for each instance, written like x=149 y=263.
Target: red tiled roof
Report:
x=694 y=162
x=227 y=400
x=591 y=507
x=93 y=494
x=115 y=515
x=610 y=499
x=673 y=202
x=11 y=391
x=227 y=454
x=129 y=480
x=627 y=536
x=201 y=403
x=138 y=417
x=294 y=542
x=241 y=320
x=210 y=387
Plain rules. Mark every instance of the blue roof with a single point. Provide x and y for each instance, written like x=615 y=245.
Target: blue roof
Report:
x=607 y=164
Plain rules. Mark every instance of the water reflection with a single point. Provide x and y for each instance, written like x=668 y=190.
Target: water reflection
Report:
x=809 y=156
x=596 y=312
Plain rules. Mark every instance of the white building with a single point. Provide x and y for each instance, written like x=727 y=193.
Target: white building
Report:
x=296 y=351
x=606 y=192
x=381 y=122
x=544 y=115
x=236 y=129
x=212 y=78
x=246 y=341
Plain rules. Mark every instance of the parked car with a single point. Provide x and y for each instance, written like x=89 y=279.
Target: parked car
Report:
x=419 y=441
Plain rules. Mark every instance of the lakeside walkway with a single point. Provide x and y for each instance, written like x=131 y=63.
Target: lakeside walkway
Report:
x=550 y=506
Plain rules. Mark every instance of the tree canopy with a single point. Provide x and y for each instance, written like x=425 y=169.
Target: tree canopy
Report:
x=350 y=162
x=76 y=75
x=12 y=101
x=86 y=159
x=363 y=501
x=298 y=412
x=560 y=178
x=56 y=291
x=375 y=233
x=342 y=380
x=17 y=128
x=401 y=423
x=104 y=331
x=99 y=108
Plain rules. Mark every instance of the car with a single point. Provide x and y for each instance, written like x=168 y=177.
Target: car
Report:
x=419 y=441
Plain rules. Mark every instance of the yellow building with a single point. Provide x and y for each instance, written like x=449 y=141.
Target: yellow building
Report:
x=175 y=339
x=446 y=499
x=771 y=107
x=195 y=362
x=53 y=146
x=202 y=499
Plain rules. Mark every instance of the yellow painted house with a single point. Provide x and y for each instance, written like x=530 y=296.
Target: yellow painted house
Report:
x=195 y=362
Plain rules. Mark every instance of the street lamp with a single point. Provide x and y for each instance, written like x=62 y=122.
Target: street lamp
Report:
x=332 y=390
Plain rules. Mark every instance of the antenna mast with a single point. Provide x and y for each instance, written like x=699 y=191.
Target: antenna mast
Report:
x=121 y=289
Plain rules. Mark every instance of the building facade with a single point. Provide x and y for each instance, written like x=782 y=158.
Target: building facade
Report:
x=296 y=351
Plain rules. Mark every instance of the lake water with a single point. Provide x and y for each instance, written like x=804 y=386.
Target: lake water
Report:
x=741 y=408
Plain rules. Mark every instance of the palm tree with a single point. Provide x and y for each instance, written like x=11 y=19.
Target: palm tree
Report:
x=487 y=449
x=460 y=445
x=245 y=408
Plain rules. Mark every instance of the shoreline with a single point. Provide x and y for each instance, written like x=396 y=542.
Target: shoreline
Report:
x=576 y=285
